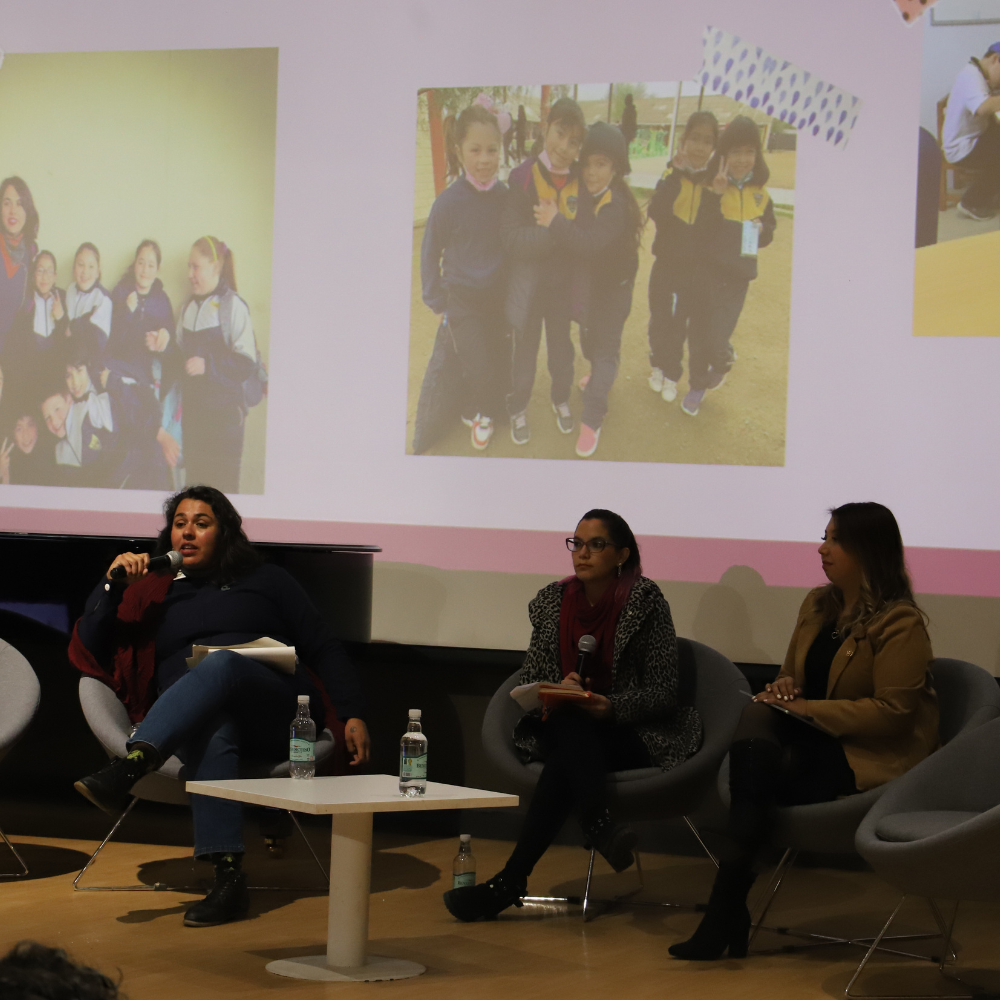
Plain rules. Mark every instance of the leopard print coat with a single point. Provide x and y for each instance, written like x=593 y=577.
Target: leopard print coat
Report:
x=645 y=673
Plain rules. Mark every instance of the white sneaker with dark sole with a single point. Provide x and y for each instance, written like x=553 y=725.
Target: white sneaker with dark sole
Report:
x=564 y=419
x=520 y=432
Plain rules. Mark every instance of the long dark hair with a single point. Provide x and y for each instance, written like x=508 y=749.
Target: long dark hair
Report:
x=30 y=231
x=129 y=274
x=697 y=118
x=621 y=537
x=741 y=131
x=869 y=532
x=235 y=557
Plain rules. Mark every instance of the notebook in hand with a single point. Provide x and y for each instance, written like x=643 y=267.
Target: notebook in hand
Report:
x=806 y=720
x=538 y=695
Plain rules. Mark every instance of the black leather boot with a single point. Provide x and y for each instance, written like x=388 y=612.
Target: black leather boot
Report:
x=614 y=842
x=109 y=789
x=229 y=898
x=486 y=900
x=726 y=924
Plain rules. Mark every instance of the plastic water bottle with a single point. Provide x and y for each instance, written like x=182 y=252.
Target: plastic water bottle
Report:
x=463 y=868
x=413 y=758
x=302 y=741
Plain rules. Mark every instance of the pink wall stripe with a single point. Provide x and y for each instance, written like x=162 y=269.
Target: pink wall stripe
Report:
x=968 y=572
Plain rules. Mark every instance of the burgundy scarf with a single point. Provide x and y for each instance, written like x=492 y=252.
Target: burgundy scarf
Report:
x=578 y=617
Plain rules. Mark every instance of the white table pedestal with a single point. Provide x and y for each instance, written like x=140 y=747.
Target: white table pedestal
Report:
x=347 y=923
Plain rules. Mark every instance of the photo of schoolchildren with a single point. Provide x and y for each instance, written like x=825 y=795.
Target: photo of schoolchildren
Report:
x=660 y=262
x=161 y=381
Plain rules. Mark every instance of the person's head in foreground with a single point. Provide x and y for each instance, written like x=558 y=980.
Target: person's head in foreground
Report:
x=604 y=552
x=206 y=529
x=32 y=971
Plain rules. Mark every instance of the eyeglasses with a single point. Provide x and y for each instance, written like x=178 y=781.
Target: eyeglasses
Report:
x=594 y=544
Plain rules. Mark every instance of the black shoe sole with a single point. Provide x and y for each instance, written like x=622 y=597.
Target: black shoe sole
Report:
x=111 y=810
x=216 y=923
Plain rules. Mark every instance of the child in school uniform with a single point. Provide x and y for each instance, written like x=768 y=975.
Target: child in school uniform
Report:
x=674 y=303
x=461 y=267
x=736 y=220
x=88 y=304
x=538 y=290
x=603 y=243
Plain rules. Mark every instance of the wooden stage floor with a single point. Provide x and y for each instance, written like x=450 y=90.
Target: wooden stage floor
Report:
x=522 y=955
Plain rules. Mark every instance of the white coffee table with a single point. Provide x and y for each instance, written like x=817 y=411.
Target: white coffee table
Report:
x=350 y=802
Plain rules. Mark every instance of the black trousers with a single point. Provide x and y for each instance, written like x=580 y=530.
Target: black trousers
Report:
x=579 y=752
x=709 y=349
x=601 y=341
x=984 y=191
x=213 y=444
x=478 y=330
x=551 y=306
x=673 y=308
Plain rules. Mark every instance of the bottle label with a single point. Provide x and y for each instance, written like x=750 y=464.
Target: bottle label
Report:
x=460 y=881
x=301 y=751
x=413 y=767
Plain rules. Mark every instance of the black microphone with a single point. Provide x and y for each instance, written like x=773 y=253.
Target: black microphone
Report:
x=172 y=561
x=586 y=646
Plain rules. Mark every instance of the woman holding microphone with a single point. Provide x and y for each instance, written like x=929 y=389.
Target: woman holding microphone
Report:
x=136 y=638
x=858 y=667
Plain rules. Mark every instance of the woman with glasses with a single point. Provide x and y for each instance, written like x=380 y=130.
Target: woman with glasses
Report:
x=631 y=718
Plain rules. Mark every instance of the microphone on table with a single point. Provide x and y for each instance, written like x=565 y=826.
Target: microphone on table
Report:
x=172 y=561
x=585 y=646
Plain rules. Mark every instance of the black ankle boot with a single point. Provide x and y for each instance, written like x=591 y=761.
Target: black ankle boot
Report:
x=486 y=900
x=754 y=768
x=109 y=789
x=614 y=842
x=726 y=924
x=229 y=898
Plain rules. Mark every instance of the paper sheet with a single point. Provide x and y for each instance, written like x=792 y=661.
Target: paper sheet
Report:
x=265 y=650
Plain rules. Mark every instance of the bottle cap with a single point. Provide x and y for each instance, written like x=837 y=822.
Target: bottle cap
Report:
x=414 y=713
x=303 y=699
x=465 y=837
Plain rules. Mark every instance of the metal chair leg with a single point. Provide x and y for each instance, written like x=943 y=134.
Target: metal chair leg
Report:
x=586 y=891
x=704 y=846
x=20 y=860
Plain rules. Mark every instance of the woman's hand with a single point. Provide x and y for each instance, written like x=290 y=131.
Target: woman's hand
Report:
x=157 y=340
x=800 y=706
x=596 y=705
x=357 y=741
x=132 y=301
x=721 y=180
x=781 y=690
x=171 y=449
x=195 y=366
x=545 y=211
x=573 y=680
x=136 y=565
x=57 y=307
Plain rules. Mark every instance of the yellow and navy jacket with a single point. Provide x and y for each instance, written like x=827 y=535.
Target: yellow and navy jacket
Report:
x=721 y=223
x=534 y=261
x=674 y=209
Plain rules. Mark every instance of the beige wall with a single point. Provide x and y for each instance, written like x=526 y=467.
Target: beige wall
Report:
x=740 y=616
x=120 y=146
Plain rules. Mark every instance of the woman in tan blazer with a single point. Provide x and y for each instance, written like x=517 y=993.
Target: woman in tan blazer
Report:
x=857 y=673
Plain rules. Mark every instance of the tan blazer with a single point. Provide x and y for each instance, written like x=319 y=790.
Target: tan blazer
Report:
x=879 y=698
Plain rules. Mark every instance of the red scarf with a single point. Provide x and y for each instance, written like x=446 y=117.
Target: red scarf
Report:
x=10 y=266
x=578 y=617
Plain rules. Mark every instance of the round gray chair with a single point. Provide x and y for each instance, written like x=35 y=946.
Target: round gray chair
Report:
x=109 y=722
x=21 y=694
x=968 y=697
x=934 y=833
x=710 y=682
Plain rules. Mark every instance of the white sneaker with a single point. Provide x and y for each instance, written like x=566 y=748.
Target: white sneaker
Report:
x=564 y=419
x=669 y=391
x=482 y=431
x=656 y=380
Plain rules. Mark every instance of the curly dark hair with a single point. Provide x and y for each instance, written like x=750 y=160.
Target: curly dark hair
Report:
x=235 y=557
x=32 y=971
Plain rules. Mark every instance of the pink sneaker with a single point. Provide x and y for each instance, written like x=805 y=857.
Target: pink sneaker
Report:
x=586 y=443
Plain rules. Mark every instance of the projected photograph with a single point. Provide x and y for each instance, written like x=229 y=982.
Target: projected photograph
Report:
x=136 y=224
x=600 y=271
x=958 y=178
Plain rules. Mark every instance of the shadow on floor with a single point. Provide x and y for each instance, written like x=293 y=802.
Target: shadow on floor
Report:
x=43 y=861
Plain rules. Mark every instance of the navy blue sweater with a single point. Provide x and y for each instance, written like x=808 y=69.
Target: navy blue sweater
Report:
x=266 y=602
x=461 y=243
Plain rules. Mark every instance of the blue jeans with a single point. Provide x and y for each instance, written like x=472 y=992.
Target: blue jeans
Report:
x=229 y=707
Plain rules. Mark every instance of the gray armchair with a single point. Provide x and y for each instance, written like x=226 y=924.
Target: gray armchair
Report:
x=21 y=693
x=109 y=722
x=934 y=833
x=716 y=688
x=968 y=697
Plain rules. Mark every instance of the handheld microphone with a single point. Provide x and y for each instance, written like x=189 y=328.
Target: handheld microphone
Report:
x=585 y=646
x=172 y=561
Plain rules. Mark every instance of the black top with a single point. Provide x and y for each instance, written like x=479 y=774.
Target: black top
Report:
x=819 y=659
x=266 y=602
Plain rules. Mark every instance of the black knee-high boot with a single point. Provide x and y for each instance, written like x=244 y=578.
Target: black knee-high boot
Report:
x=753 y=772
